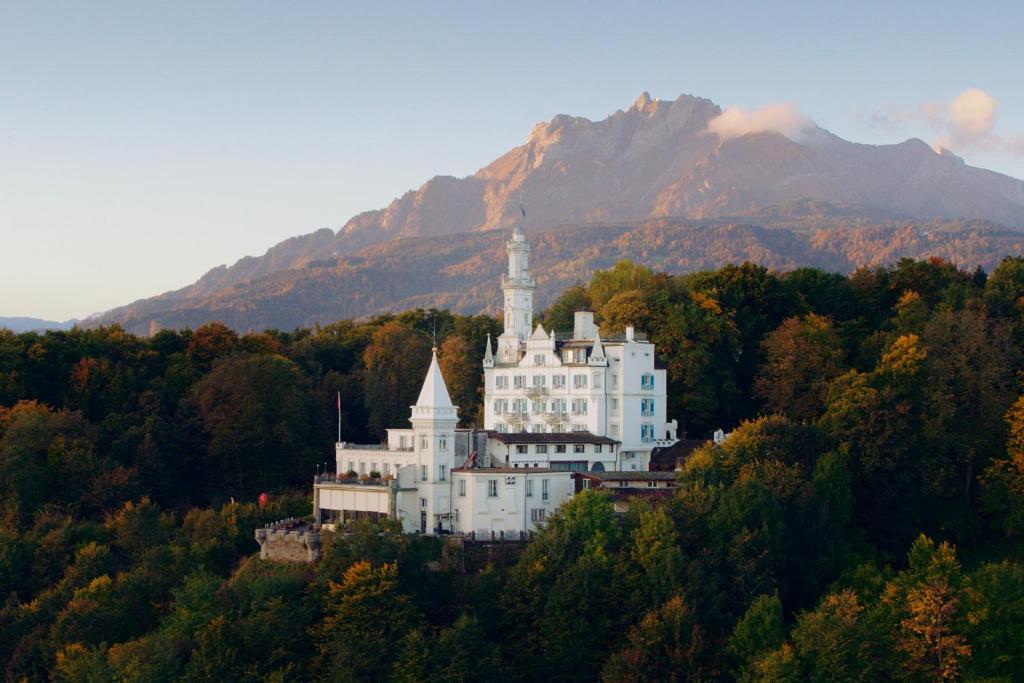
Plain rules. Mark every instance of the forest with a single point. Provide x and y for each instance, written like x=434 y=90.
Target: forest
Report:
x=863 y=522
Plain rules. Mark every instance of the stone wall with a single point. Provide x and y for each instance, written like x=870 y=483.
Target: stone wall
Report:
x=289 y=540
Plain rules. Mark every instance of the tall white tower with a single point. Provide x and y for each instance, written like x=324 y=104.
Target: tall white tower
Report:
x=433 y=421
x=517 y=287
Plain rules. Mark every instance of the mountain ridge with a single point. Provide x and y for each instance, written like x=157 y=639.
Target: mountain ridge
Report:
x=655 y=159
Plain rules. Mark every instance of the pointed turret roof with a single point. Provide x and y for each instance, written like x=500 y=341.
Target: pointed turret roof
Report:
x=539 y=334
x=488 y=354
x=434 y=393
x=597 y=356
x=598 y=350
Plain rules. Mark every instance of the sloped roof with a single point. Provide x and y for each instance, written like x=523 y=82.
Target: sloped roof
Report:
x=434 y=393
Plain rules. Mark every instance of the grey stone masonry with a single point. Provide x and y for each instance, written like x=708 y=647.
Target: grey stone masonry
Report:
x=289 y=540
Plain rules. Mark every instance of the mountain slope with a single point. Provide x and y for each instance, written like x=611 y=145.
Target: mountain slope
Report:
x=656 y=159
x=461 y=272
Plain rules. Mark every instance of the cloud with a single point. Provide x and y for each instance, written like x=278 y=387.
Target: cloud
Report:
x=778 y=118
x=964 y=123
x=971 y=115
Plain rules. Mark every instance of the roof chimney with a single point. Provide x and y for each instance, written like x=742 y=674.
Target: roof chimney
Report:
x=629 y=333
x=583 y=325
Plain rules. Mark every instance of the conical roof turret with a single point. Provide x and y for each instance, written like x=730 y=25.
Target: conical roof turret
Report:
x=434 y=392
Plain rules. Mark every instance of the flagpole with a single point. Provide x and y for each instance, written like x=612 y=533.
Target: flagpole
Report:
x=339 y=417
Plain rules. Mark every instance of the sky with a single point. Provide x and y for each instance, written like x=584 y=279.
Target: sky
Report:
x=143 y=143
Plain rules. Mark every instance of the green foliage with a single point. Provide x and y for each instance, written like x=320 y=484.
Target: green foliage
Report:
x=129 y=470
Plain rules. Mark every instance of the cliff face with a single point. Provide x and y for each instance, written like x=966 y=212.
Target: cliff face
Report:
x=653 y=160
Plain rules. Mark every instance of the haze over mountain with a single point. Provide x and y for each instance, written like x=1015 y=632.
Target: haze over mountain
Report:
x=683 y=161
x=20 y=324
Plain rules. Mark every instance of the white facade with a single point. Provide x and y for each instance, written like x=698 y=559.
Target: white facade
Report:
x=545 y=384
x=429 y=481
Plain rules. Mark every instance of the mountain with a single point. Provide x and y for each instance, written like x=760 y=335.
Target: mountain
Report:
x=461 y=272
x=654 y=160
x=19 y=325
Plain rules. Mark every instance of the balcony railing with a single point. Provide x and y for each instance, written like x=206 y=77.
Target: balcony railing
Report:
x=515 y=416
x=535 y=391
x=555 y=416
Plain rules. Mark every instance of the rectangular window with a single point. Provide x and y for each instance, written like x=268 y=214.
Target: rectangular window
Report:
x=423 y=502
x=558 y=381
x=543 y=489
x=615 y=430
x=615 y=406
x=423 y=473
x=597 y=380
x=597 y=448
x=538 y=359
x=647 y=381
x=424 y=444
x=492 y=488
x=541 y=448
x=647 y=407
x=579 y=448
x=362 y=467
x=387 y=469
x=579 y=381
x=586 y=484
x=560 y=448
x=538 y=515
x=521 y=448
x=646 y=433
x=652 y=484
x=529 y=487
x=501 y=382
x=519 y=381
x=351 y=465
x=615 y=381
x=462 y=487
x=442 y=471
x=538 y=406
x=579 y=428
x=579 y=406
x=537 y=429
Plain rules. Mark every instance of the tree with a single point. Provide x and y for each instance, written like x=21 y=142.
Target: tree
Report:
x=460 y=366
x=396 y=362
x=256 y=412
x=560 y=316
x=667 y=645
x=802 y=356
x=1003 y=480
x=365 y=621
x=212 y=341
x=758 y=631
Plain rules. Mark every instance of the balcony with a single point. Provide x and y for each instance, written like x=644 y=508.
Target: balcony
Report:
x=514 y=416
x=555 y=416
x=536 y=391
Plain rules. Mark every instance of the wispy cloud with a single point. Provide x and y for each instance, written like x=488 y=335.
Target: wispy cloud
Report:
x=779 y=118
x=966 y=122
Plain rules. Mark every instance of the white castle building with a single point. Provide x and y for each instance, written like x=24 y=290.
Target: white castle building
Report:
x=543 y=382
x=554 y=405
x=434 y=477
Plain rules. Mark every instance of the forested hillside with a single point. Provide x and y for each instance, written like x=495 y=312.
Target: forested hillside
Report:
x=863 y=522
x=461 y=272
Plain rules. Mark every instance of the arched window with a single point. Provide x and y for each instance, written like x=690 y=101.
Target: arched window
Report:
x=597 y=467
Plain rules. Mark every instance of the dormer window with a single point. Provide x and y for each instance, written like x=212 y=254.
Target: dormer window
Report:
x=538 y=359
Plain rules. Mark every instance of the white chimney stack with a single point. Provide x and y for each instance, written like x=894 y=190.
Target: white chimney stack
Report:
x=583 y=325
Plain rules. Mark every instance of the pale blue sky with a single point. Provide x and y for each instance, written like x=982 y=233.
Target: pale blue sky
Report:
x=142 y=143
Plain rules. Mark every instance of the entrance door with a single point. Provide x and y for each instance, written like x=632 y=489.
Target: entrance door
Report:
x=423 y=521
